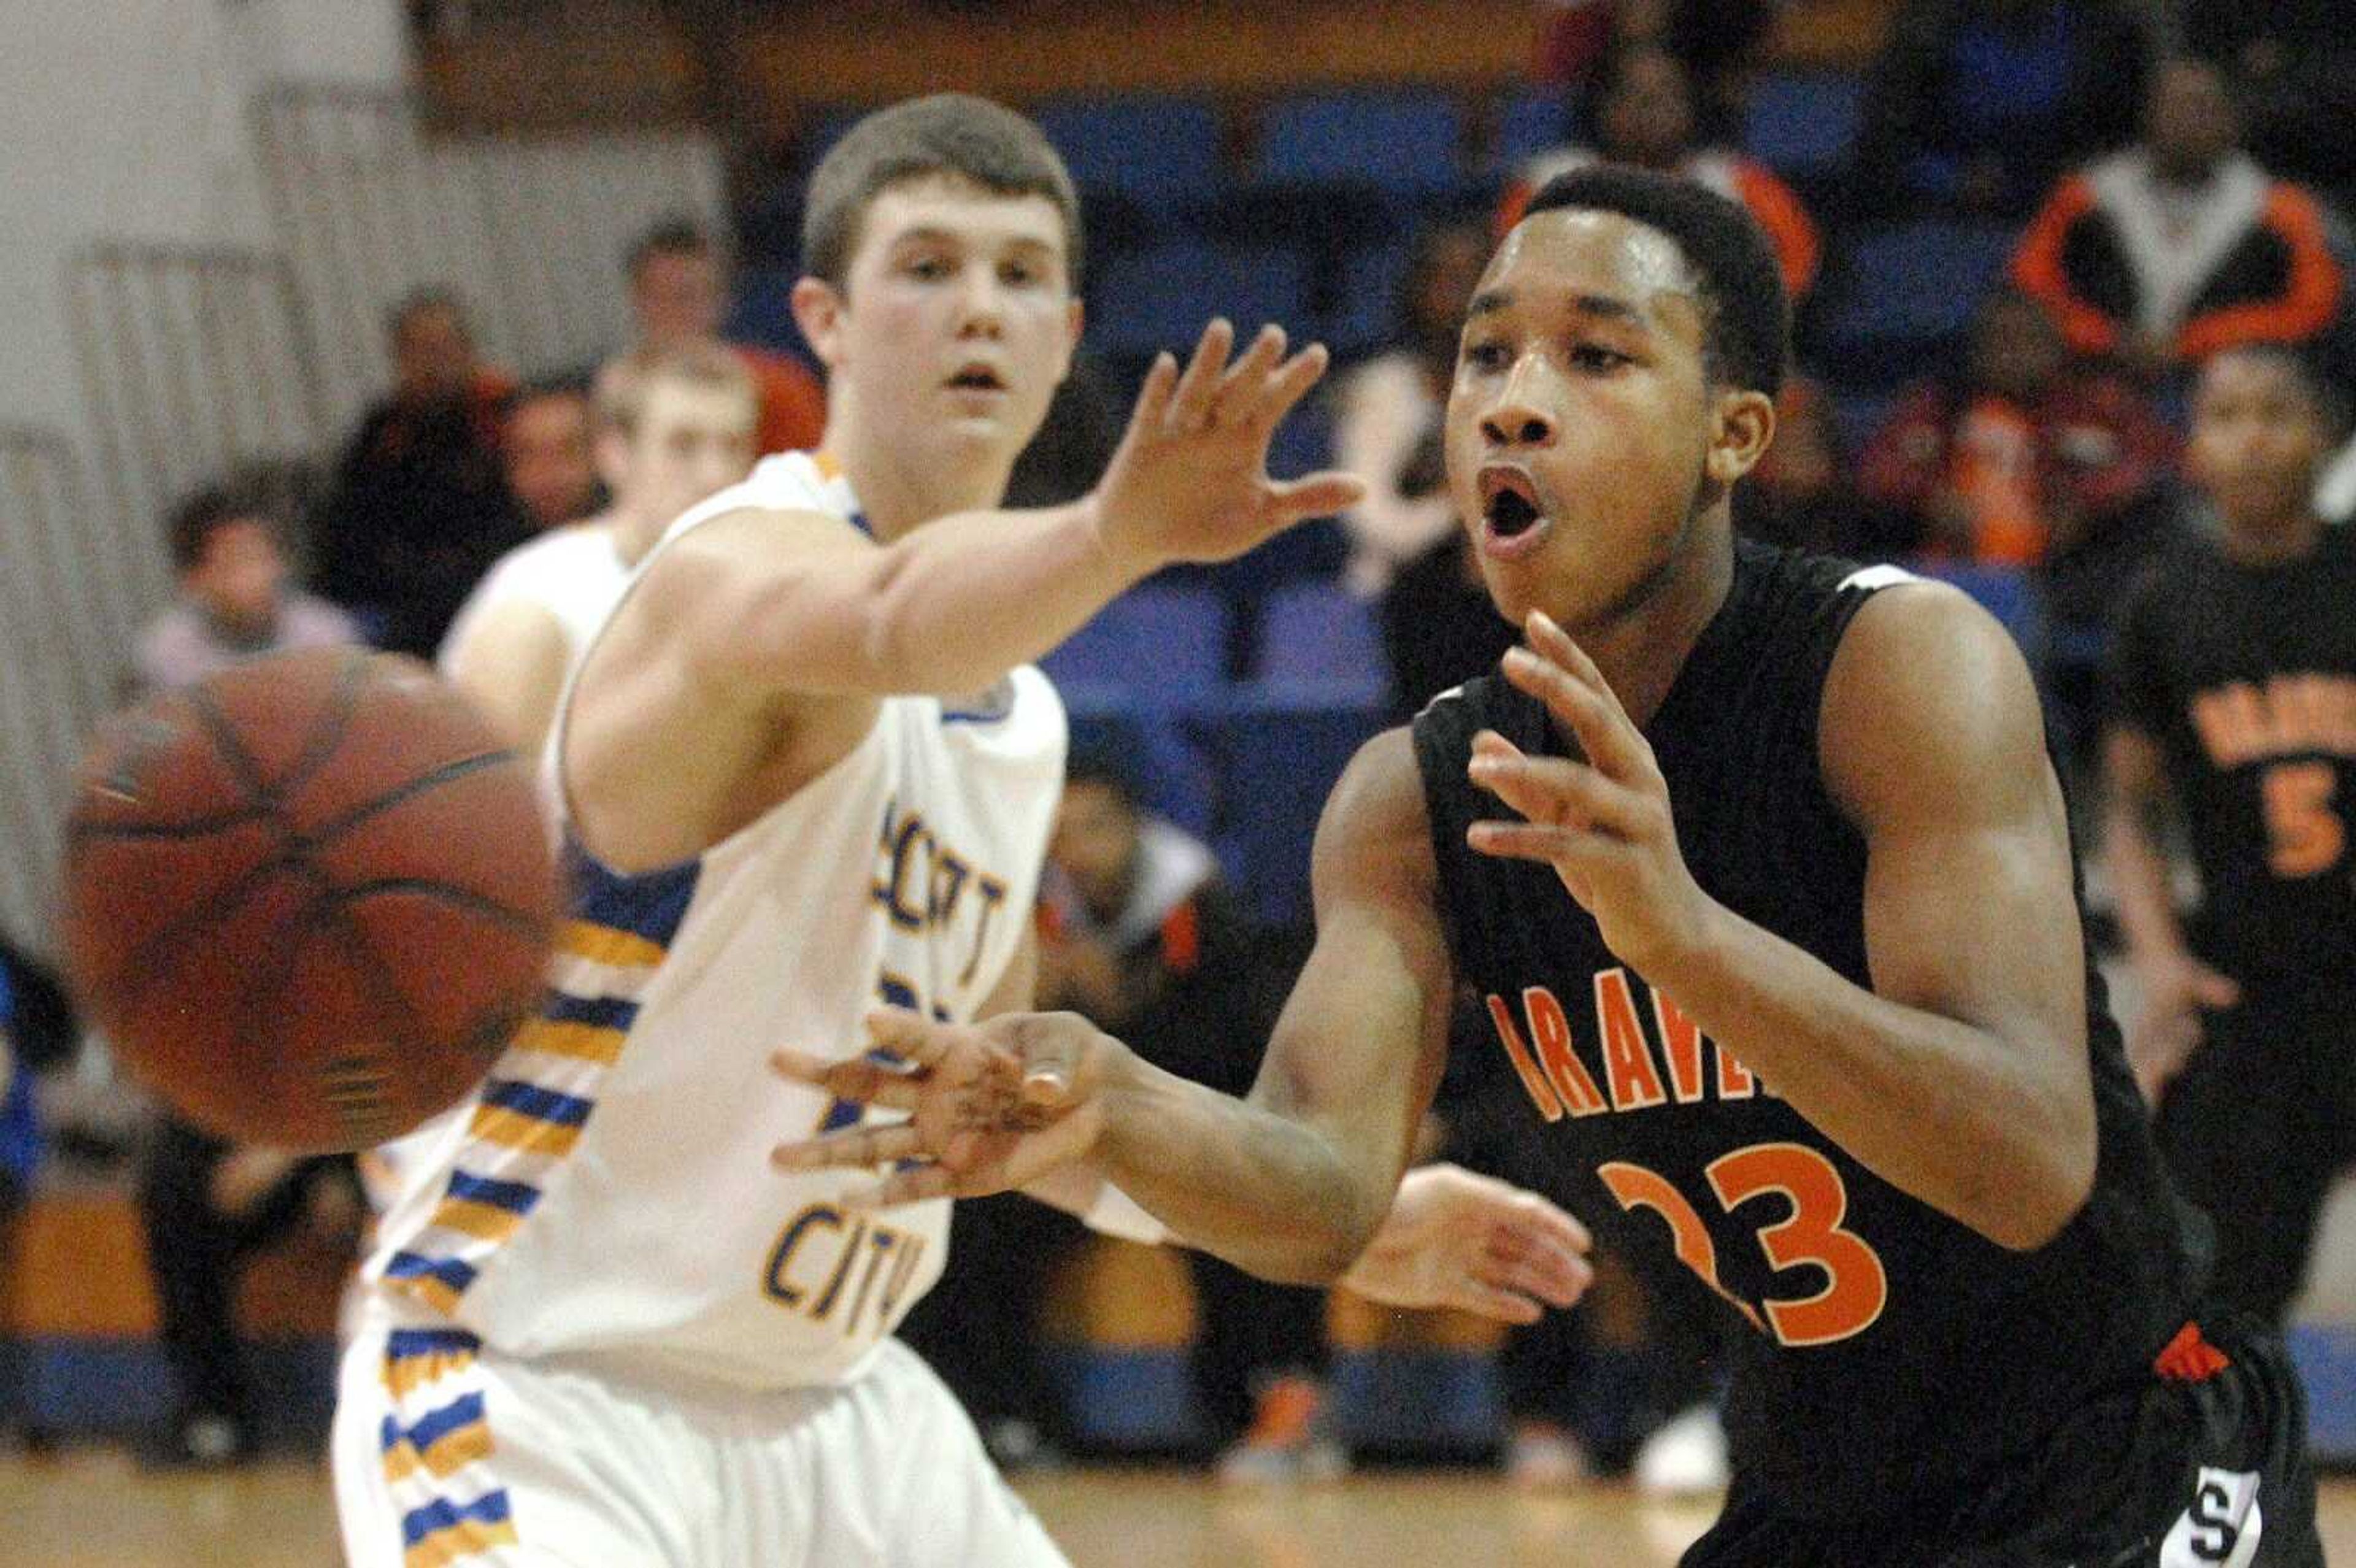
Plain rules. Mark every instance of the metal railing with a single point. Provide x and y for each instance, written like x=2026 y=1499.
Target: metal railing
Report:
x=68 y=612
x=530 y=232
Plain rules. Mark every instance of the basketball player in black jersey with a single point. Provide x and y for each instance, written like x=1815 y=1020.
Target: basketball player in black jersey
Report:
x=2234 y=702
x=1759 y=866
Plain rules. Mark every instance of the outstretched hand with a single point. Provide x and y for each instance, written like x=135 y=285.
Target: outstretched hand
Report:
x=1603 y=824
x=1189 y=479
x=990 y=1106
x=1471 y=1242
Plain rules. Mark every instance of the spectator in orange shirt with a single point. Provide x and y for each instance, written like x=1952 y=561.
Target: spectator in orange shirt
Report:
x=2181 y=245
x=1646 y=114
x=679 y=294
x=2022 y=454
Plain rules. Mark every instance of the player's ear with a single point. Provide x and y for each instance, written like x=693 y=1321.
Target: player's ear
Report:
x=1745 y=425
x=818 y=311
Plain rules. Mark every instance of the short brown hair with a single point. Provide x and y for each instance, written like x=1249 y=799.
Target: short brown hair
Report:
x=948 y=134
x=190 y=529
x=624 y=382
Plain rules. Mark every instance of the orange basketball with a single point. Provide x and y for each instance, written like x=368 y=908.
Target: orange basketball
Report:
x=308 y=900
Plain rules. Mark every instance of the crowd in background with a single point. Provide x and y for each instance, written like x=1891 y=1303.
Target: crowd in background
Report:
x=2174 y=186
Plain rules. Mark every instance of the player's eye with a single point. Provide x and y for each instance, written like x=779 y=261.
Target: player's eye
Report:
x=1018 y=275
x=929 y=269
x=1595 y=356
x=1487 y=356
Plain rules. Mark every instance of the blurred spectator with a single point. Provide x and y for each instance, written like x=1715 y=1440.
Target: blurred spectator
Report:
x=235 y=602
x=679 y=294
x=1140 y=936
x=1977 y=105
x=1717 y=39
x=2235 y=706
x=1801 y=496
x=1386 y=411
x=1643 y=112
x=549 y=467
x=420 y=507
x=2018 y=456
x=675 y=427
x=207 y=1207
x=2296 y=60
x=2180 y=245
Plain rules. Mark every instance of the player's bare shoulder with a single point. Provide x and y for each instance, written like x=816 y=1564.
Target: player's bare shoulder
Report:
x=1927 y=695
x=1374 y=839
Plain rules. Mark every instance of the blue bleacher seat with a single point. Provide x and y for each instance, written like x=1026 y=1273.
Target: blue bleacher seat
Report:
x=1323 y=632
x=1530 y=121
x=1173 y=778
x=1905 y=290
x=1802 y=124
x=1160 y=297
x=1365 y=309
x=1150 y=648
x=1403 y=144
x=1162 y=153
x=1277 y=752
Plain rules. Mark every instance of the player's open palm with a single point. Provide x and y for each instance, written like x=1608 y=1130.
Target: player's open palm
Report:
x=988 y=1106
x=1189 y=479
x=1603 y=820
x=1459 y=1239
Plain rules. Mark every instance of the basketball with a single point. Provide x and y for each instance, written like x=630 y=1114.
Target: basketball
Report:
x=308 y=900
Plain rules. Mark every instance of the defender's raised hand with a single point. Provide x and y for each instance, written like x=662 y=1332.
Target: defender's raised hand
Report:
x=1603 y=824
x=1189 y=479
x=990 y=1106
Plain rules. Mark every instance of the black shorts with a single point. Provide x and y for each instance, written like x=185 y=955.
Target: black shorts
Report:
x=2255 y=1131
x=2207 y=1474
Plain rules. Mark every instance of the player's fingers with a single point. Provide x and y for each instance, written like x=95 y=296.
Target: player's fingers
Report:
x=867 y=1083
x=1240 y=388
x=914 y=1184
x=1154 y=396
x=1562 y=848
x=1191 y=404
x=913 y=1037
x=2212 y=990
x=1548 y=638
x=1543 y=1267
x=1050 y=1058
x=1290 y=384
x=1316 y=495
x=1488 y=1301
x=1558 y=790
x=850 y=1147
x=1604 y=732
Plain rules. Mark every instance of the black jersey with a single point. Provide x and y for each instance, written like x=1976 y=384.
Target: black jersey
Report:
x=1900 y=1359
x=2246 y=677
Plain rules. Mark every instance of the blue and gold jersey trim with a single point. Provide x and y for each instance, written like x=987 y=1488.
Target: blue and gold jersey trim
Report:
x=437 y=1450
x=538 y=1101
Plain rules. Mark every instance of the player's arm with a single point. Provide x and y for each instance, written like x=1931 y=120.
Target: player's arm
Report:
x=1961 y=1076
x=2175 y=983
x=773 y=603
x=510 y=661
x=1291 y=1182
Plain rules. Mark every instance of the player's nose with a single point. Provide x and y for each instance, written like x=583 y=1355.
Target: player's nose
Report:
x=1521 y=416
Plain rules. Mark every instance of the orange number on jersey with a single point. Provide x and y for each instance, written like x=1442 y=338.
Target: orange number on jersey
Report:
x=1637 y=1188
x=2308 y=836
x=1857 y=1287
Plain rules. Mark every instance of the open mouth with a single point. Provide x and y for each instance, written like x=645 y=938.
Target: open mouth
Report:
x=978 y=379
x=1508 y=503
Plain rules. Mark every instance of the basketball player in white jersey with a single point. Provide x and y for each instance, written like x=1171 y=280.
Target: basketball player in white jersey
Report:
x=805 y=767
x=674 y=426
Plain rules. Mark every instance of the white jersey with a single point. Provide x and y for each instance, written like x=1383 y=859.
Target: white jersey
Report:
x=606 y=1195
x=573 y=572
